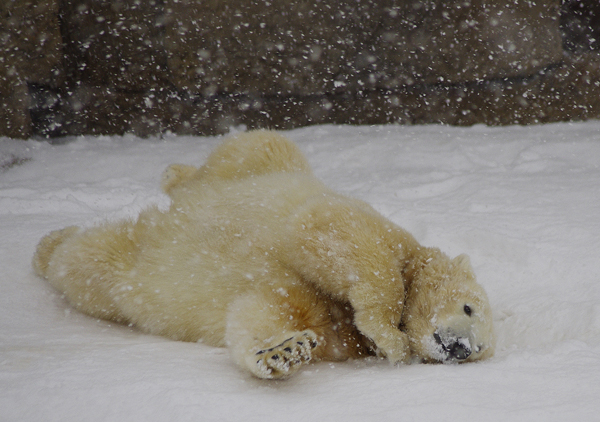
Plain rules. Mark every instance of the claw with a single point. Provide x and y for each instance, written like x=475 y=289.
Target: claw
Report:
x=287 y=357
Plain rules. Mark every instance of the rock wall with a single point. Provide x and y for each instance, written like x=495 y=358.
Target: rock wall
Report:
x=70 y=67
x=311 y=48
x=30 y=53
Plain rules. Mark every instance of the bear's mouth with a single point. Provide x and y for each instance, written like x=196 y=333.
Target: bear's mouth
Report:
x=451 y=348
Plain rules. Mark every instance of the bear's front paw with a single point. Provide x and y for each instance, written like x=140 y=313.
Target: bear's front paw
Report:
x=286 y=358
x=395 y=348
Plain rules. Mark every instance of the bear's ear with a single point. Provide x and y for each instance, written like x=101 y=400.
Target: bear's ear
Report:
x=463 y=262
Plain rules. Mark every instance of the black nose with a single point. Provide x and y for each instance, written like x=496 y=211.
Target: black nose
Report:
x=456 y=347
x=459 y=351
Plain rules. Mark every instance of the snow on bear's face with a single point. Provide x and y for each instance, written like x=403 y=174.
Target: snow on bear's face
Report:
x=447 y=315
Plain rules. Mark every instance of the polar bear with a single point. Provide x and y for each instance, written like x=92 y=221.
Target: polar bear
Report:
x=257 y=255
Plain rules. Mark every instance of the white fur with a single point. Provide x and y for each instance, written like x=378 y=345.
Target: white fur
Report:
x=258 y=255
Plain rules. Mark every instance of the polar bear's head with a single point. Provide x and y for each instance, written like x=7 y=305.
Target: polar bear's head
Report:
x=447 y=316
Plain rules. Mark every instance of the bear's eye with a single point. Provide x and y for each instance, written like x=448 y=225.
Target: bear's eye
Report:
x=468 y=310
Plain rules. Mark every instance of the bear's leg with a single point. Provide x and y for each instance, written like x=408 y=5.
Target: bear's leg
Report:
x=274 y=330
x=349 y=251
x=268 y=331
x=45 y=249
x=87 y=266
x=241 y=156
x=254 y=153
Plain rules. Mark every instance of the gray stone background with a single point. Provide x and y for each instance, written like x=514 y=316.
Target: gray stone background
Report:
x=71 y=67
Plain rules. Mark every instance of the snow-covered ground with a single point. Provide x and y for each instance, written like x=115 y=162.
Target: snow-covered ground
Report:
x=523 y=202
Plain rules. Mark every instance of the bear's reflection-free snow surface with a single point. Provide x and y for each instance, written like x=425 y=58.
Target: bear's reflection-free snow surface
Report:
x=521 y=201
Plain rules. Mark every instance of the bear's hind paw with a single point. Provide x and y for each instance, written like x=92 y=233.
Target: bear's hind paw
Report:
x=286 y=358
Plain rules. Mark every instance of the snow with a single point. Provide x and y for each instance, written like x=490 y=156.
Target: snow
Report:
x=523 y=202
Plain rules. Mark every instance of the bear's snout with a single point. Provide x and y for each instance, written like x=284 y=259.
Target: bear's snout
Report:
x=455 y=348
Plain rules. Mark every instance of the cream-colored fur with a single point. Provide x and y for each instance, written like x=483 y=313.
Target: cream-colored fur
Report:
x=258 y=255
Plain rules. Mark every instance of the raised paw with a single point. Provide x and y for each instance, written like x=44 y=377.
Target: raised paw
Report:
x=287 y=357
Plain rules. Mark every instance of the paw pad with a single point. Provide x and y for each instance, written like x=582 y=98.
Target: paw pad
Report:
x=287 y=357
